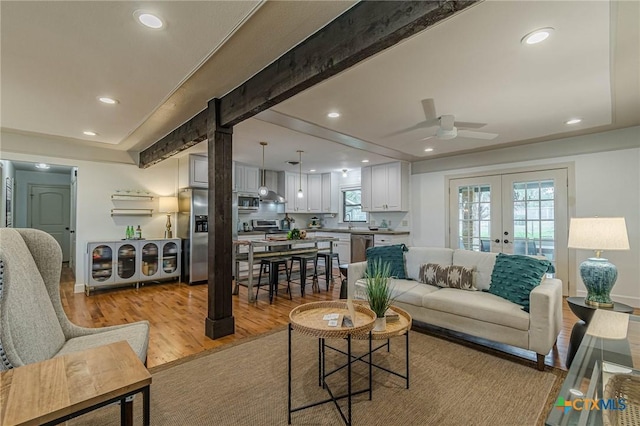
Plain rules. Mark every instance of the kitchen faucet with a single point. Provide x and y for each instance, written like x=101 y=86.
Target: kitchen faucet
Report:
x=348 y=215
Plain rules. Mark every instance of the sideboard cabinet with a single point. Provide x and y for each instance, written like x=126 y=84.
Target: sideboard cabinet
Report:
x=117 y=263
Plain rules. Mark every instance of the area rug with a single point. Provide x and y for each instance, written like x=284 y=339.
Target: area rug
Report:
x=246 y=384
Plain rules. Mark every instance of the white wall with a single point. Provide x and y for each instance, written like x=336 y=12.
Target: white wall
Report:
x=606 y=184
x=96 y=183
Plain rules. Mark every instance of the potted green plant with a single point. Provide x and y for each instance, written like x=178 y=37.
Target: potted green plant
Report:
x=378 y=292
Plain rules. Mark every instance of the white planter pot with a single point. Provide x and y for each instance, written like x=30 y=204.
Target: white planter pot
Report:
x=380 y=324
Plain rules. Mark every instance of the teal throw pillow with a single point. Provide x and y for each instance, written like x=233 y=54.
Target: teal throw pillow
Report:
x=514 y=277
x=394 y=255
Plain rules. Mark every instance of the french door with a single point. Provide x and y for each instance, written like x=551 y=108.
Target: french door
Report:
x=515 y=213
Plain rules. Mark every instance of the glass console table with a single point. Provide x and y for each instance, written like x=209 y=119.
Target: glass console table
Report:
x=599 y=359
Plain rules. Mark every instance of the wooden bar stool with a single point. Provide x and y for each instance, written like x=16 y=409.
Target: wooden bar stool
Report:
x=304 y=260
x=274 y=263
x=328 y=264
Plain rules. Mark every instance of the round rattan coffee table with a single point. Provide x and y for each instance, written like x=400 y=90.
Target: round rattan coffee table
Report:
x=309 y=319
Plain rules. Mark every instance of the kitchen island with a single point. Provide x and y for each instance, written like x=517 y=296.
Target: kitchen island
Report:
x=276 y=247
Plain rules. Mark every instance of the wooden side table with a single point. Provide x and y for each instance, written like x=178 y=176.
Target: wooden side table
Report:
x=585 y=312
x=59 y=389
x=308 y=319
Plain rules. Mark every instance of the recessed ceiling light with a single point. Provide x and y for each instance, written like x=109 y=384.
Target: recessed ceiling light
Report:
x=107 y=100
x=428 y=149
x=573 y=121
x=90 y=133
x=537 y=36
x=365 y=161
x=312 y=170
x=333 y=115
x=149 y=20
x=43 y=166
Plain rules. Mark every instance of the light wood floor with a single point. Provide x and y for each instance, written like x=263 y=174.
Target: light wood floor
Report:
x=177 y=311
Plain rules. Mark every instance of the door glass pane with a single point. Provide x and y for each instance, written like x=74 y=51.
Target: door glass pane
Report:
x=533 y=218
x=474 y=221
x=101 y=265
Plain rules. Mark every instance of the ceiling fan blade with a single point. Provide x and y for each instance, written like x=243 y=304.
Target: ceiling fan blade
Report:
x=446 y=122
x=429 y=108
x=469 y=125
x=477 y=135
x=421 y=125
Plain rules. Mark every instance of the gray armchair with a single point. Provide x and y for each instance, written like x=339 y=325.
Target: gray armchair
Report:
x=33 y=324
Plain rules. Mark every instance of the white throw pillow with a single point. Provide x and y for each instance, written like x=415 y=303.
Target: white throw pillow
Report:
x=483 y=262
x=416 y=256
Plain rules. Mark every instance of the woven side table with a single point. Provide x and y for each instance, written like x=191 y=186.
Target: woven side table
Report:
x=394 y=329
x=308 y=319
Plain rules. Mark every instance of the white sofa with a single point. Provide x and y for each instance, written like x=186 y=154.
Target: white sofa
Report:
x=477 y=313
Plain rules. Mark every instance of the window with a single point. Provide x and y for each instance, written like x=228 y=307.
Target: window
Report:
x=352 y=206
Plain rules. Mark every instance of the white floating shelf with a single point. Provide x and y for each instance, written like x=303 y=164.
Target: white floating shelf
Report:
x=132 y=197
x=131 y=212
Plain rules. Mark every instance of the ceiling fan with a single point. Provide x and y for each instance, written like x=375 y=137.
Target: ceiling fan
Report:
x=448 y=128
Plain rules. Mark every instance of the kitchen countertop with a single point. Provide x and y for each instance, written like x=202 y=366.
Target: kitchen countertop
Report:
x=337 y=230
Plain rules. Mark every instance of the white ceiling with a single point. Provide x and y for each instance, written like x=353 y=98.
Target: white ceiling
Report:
x=473 y=66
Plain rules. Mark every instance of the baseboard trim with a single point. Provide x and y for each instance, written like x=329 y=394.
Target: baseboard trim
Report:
x=78 y=288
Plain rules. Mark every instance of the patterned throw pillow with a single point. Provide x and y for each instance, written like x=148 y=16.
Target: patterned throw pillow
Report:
x=451 y=276
x=514 y=276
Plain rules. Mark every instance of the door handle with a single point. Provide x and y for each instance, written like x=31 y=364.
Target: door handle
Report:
x=497 y=240
x=66 y=228
x=72 y=232
x=506 y=241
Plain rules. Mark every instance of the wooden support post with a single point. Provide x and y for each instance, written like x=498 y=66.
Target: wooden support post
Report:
x=220 y=321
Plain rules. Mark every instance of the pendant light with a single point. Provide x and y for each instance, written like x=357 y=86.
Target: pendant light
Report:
x=263 y=190
x=300 y=193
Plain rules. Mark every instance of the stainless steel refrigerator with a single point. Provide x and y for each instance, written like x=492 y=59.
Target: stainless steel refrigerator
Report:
x=193 y=227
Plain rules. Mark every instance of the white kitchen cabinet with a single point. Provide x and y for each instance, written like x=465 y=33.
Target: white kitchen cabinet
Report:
x=342 y=244
x=292 y=182
x=365 y=188
x=389 y=240
x=132 y=261
x=246 y=178
x=198 y=171
x=389 y=190
x=314 y=193
x=330 y=193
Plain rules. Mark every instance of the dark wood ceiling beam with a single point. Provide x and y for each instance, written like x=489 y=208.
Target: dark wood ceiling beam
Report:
x=363 y=31
x=188 y=134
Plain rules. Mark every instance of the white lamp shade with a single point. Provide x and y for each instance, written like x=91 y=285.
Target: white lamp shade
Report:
x=598 y=233
x=168 y=204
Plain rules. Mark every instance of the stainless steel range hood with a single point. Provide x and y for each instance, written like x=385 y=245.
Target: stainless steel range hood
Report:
x=272 y=197
x=271 y=180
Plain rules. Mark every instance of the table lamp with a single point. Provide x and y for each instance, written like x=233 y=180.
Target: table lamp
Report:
x=168 y=205
x=598 y=274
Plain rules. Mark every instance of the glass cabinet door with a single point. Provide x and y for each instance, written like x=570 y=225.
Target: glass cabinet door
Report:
x=150 y=259
x=101 y=263
x=126 y=261
x=170 y=257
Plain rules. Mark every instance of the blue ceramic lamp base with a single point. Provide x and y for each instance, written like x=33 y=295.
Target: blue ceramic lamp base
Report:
x=599 y=276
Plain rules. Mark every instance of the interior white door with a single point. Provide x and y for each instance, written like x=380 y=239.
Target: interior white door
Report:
x=72 y=218
x=48 y=210
x=516 y=213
